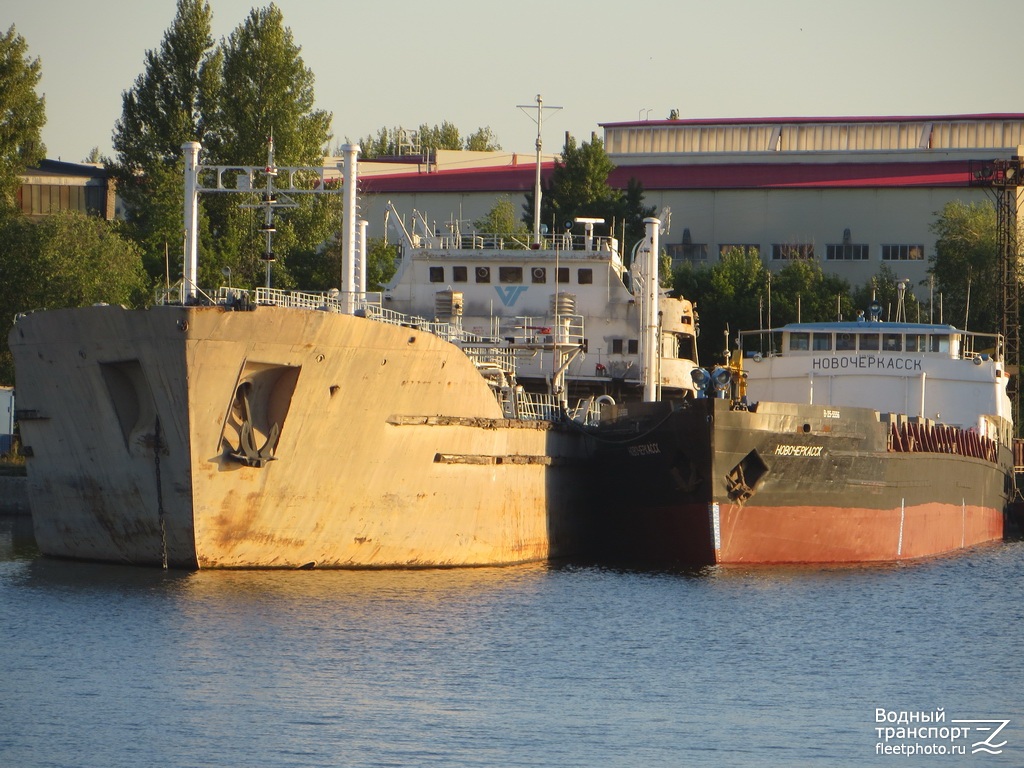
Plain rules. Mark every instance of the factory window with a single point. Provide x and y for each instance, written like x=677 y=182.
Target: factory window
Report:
x=691 y=253
x=789 y=251
x=437 y=274
x=744 y=249
x=460 y=274
x=902 y=252
x=846 y=252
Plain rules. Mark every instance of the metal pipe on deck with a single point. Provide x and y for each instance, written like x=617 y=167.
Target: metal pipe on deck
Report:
x=191 y=266
x=651 y=351
x=348 y=255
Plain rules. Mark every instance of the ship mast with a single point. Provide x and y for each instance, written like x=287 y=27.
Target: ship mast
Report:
x=275 y=185
x=539 y=119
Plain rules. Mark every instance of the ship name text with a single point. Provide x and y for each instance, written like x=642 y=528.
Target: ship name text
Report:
x=798 y=450
x=644 y=449
x=867 y=362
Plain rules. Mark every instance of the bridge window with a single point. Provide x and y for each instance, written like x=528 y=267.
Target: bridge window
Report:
x=822 y=342
x=799 y=342
x=437 y=274
x=539 y=274
x=616 y=346
x=585 y=276
x=892 y=342
x=940 y=343
x=915 y=342
x=460 y=274
x=633 y=346
x=483 y=274
x=869 y=342
x=846 y=342
x=510 y=274
x=563 y=275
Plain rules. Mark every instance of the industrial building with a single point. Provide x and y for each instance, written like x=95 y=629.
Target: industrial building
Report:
x=852 y=193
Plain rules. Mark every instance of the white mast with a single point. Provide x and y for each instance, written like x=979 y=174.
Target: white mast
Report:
x=348 y=255
x=536 y=186
x=650 y=354
x=188 y=287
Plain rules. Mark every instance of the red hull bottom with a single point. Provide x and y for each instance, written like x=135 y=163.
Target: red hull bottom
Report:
x=694 y=534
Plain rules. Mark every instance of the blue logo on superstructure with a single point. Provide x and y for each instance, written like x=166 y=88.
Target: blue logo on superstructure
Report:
x=510 y=294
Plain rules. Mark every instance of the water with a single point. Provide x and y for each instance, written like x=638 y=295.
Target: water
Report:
x=527 y=666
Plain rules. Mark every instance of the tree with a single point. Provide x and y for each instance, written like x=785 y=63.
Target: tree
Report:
x=731 y=296
x=380 y=263
x=802 y=292
x=501 y=220
x=579 y=187
x=483 y=140
x=397 y=141
x=884 y=288
x=272 y=97
x=966 y=264
x=164 y=109
x=445 y=136
x=23 y=114
x=64 y=260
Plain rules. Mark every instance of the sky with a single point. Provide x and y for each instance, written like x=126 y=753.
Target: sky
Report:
x=473 y=63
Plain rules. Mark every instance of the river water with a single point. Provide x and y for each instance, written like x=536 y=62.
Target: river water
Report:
x=542 y=665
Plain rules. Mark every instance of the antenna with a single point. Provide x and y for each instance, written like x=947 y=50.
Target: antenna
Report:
x=539 y=119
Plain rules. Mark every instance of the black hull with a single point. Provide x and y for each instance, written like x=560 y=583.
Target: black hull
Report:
x=696 y=483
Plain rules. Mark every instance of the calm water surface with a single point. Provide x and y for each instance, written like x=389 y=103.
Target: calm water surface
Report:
x=529 y=666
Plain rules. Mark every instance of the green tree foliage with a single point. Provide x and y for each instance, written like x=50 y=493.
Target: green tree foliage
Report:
x=802 y=292
x=380 y=263
x=738 y=293
x=884 y=288
x=501 y=220
x=164 y=109
x=395 y=142
x=579 y=187
x=65 y=260
x=271 y=96
x=23 y=114
x=966 y=254
x=483 y=140
x=728 y=295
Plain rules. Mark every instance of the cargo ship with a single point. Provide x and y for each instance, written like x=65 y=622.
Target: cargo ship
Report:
x=833 y=442
x=273 y=429
x=439 y=422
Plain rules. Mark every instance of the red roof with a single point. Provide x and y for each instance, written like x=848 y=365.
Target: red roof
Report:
x=795 y=175
x=774 y=175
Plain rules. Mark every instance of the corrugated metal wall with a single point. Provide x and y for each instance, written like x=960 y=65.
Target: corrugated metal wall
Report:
x=815 y=137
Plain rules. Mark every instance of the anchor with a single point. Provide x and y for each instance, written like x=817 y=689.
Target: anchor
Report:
x=247 y=453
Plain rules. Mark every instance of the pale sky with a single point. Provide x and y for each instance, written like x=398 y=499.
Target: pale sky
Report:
x=400 y=63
